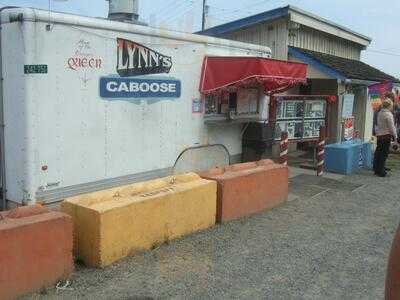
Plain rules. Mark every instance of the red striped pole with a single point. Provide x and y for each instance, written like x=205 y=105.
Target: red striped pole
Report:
x=284 y=146
x=321 y=152
x=356 y=134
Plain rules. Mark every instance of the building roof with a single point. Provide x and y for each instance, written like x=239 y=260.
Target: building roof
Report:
x=341 y=68
x=296 y=15
x=247 y=22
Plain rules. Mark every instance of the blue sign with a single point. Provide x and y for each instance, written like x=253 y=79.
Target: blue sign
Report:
x=197 y=107
x=133 y=87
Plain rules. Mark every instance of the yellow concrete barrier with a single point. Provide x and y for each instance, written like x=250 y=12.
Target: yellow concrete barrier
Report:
x=115 y=223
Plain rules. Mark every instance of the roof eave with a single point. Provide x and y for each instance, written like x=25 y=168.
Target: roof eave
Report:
x=334 y=73
x=316 y=17
x=316 y=64
x=247 y=22
x=305 y=18
x=296 y=15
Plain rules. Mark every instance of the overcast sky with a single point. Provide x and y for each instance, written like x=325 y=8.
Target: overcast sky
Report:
x=376 y=19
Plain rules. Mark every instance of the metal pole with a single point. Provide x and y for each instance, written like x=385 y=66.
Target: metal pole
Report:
x=203 y=20
x=283 y=157
x=321 y=152
x=2 y=139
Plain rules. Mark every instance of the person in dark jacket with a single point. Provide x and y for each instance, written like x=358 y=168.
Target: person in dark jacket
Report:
x=385 y=132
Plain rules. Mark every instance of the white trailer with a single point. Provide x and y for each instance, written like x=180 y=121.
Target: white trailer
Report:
x=89 y=103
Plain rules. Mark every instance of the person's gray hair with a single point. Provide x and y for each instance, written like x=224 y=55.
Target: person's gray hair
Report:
x=387 y=103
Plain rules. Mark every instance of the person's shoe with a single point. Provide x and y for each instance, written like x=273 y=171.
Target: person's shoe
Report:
x=381 y=175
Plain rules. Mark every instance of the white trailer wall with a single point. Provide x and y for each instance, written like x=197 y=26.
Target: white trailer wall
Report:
x=62 y=138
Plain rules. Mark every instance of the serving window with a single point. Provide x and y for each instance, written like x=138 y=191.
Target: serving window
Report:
x=245 y=103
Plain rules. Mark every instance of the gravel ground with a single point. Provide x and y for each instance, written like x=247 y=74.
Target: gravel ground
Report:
x=331 y=246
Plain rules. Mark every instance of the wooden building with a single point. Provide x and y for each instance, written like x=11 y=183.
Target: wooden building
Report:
x=331 y=51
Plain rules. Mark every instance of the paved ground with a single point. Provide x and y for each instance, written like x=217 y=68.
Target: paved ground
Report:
x=330 y=242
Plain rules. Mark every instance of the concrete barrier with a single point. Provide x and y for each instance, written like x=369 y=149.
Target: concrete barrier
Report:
x=115 y=223
x=35 y=250
x=392 y=286
x=248 y=188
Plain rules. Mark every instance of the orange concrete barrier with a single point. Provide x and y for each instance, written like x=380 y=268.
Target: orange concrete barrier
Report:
x=248 y=188
x=392 y=288
x=35 y=250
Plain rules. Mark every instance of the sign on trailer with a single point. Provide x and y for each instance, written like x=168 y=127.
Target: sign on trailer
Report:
x=111 y=87
x=35 y=69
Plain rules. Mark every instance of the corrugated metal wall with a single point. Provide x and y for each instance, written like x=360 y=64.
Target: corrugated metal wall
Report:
x=277 y=36
x=311 y=39
x=273 y=35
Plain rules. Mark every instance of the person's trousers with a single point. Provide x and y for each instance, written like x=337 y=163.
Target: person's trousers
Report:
x=381 y=153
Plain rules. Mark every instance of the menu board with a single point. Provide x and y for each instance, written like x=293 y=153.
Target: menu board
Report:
x=301 y=119
x=293 y=128
x=315 y=109
x=290 y=110
x=311 y=128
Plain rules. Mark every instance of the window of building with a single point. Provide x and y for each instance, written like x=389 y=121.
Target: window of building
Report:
x=240 y=105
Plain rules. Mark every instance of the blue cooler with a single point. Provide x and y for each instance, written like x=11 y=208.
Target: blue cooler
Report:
x=343 y=158
x=367 y=155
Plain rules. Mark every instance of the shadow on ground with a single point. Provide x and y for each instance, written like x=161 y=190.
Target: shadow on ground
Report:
x=331 y=243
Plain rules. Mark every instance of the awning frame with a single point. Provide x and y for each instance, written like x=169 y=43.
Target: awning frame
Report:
x=253 y=79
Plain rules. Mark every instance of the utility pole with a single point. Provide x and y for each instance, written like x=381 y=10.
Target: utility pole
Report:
x=205 y=10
